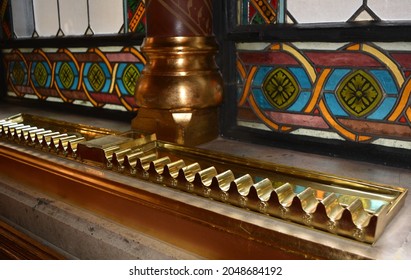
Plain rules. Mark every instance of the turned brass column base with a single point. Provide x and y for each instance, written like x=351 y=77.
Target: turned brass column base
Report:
x=186 y=127
x=180 y=73
x=179 y=90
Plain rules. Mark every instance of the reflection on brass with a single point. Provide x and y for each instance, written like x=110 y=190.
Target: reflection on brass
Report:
x=346 y=207
x=185 y=127
x=112 y=148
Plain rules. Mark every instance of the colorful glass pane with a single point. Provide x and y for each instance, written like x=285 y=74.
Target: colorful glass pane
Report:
x=259 y=11
x=18 y=73
x=359 y=93
x=66 y=75
x=136 y=16
x=40 y=74
x=352 y=92
x=96 y=77
x=280 y=88
x=129 y=75
x=104 y=78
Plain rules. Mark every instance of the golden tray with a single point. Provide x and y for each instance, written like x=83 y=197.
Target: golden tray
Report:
x=347 y=207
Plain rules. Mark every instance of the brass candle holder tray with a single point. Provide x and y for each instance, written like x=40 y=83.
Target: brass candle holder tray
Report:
x=346 y=207
x=52 y=135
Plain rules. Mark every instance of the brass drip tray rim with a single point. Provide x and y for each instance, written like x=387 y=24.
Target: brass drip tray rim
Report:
x=324 y=182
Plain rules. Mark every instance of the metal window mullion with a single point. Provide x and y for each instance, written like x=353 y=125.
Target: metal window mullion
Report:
x=34 y=21
x=60 y=31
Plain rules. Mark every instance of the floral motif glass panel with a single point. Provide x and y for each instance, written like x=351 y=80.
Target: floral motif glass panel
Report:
x=345 y=91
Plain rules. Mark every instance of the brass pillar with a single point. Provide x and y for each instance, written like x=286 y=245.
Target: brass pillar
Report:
x=180 y=88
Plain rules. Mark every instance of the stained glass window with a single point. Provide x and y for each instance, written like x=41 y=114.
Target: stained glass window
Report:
x=342 y=91
x=48 y=18
x=96 y=76
x=136 y=16
x=354 y=90
x=261 y=11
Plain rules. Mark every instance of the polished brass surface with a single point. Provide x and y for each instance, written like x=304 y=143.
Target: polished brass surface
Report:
x=346 y=207
x=208 y=230
x=185 y=127
x=108 y=149
x=89 y=132
x=179 y=90
x=180 y=73
x=55 y=136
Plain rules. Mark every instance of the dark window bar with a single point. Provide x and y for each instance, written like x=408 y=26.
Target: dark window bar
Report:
x=128 y=39
x=326 y=32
